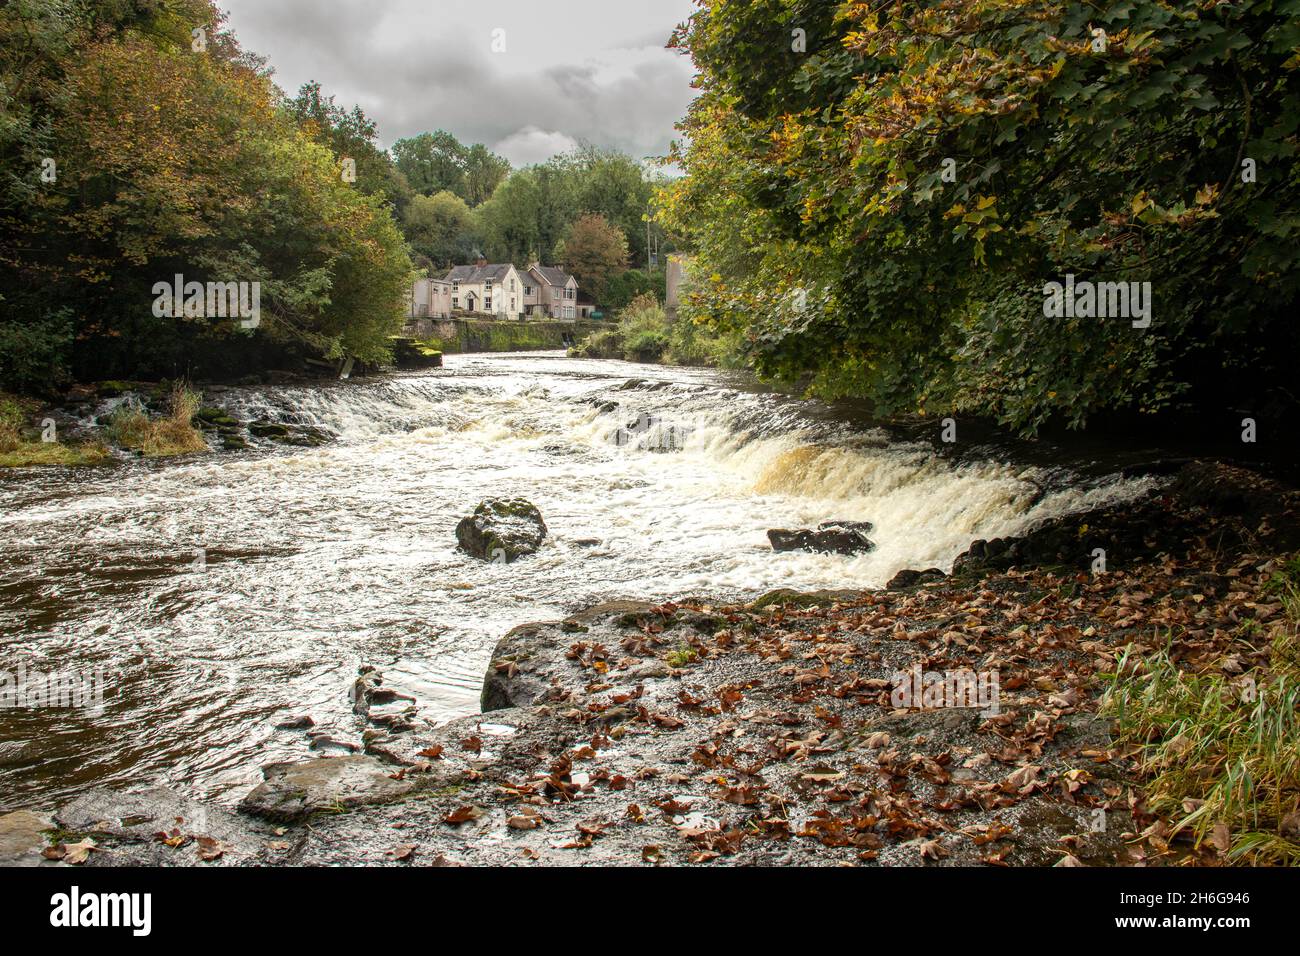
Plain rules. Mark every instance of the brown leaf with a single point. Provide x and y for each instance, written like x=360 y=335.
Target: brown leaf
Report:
x=463 y=814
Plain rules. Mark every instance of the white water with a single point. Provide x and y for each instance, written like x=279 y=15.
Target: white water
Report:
x=320 y=560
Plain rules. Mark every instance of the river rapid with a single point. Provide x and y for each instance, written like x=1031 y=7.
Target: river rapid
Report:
x=221 y=594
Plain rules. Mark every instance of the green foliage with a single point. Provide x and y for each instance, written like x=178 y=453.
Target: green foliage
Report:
x=35 y=353
x=1217 y=751
x=817 y=206
x=529 y=214
x=441 y=229
x=439 y=162
x=11 y=423
x=644 y=334
x=626 y=286
x=350 y=135
x=171 y=162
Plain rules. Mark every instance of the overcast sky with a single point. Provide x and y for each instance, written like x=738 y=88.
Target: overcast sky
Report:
x=572 y=70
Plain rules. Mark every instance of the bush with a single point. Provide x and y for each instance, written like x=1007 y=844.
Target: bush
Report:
x=644 y=334
x=33 y=355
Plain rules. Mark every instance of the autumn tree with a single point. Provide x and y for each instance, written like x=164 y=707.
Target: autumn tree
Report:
x=594 y=252
x=879 y=206
x=168 y=160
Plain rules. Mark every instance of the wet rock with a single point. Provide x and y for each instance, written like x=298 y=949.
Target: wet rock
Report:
x=827 y=541
x=787 y=597
x=863 y=526
x=368 y=691
x=293 y=791
x=324 y=741
x=534 y=664
x=264 y=429
x=209 y=416
x=22 y=837
x=296 y=723
x=125 y=827
x=908 y=578
x=502 y=529
x=527 y=665
x=304 y=436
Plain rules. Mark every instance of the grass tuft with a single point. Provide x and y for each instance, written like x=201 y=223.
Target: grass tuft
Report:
x=1219 y=749
x=174 y=434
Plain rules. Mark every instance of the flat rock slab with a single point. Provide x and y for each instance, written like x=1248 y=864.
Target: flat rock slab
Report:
x=293 y=791
x=535 y=663
x=159 y=827
x=22 y=837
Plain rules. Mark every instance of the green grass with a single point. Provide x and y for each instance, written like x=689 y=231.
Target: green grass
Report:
x=682 y=655
x=36 y=454
x=18 y=450
x=1213 y=751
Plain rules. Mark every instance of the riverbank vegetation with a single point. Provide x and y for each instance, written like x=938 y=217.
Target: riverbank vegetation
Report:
x=1220 y=744
x=643 y=333
x=143 y=144
x=22 y=446
x=132 y=428
x=876 y=198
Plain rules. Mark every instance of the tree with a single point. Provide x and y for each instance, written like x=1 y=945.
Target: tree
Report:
x=594 y=252
x=441 y=228
x=508 y=222
x=350 y=135
x=152 y=182
x=484 y=172
x=881 y=216
x=432 y=162
x=439 y=162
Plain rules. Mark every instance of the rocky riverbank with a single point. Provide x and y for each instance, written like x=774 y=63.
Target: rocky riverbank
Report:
x=946 y=720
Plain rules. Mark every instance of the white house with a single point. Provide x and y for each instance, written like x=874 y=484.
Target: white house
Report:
x=550 y=291
x=487 y=289
x=430 y=299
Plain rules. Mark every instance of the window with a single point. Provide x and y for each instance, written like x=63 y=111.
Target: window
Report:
x=455 y=286
x=528 y=290
x=512 y=303
x=455 y=302
x=487 y=303
x=512 y=285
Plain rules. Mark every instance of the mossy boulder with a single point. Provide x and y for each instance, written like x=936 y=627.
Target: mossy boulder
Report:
x=502 y=530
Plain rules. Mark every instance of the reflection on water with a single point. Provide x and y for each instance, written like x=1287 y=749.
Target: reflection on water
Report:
x=229 y=592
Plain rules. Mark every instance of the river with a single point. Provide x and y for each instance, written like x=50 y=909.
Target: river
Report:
x=221 y=594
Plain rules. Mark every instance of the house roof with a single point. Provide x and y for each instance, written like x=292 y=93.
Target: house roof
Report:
x=494 y=272
x=552 y=275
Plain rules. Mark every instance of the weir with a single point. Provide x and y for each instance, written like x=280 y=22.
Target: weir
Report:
x=654 y=483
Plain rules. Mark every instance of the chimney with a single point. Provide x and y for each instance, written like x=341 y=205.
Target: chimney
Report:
x=481 y=262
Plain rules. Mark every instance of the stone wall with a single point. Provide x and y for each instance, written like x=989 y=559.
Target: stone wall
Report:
x=487 y=335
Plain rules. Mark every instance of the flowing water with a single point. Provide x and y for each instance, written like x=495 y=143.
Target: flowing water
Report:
x=221 y=594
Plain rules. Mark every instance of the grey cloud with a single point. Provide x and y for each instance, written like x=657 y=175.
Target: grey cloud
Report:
x=567 y=77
